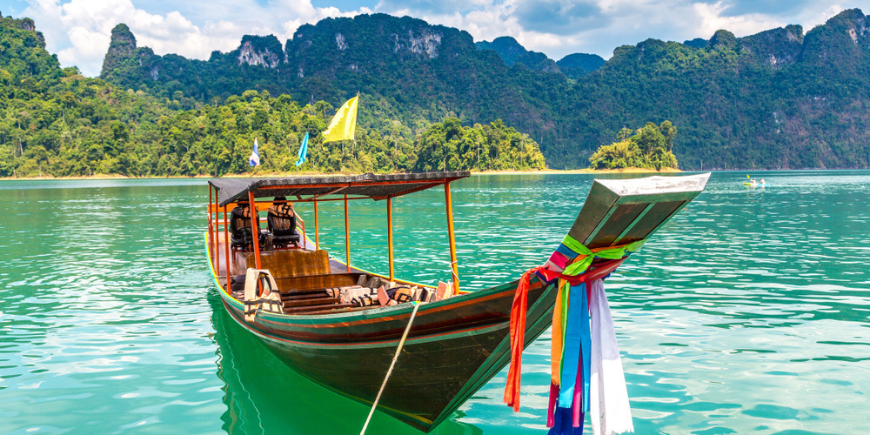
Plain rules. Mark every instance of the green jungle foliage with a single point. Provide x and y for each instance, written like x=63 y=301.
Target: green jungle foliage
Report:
x=492 y=147
x=579 y=64
x=56 y=122
x=650 y=147
x=511 y=52
x=778 y=99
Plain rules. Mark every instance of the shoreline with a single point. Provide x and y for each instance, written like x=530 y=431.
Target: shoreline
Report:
x=580 y=171
x=327 y=174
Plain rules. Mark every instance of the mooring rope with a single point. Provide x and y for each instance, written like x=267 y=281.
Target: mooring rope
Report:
x=392 y=364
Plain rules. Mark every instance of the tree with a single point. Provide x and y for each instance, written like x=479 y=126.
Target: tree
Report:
x=648 y=148
x=669 y=131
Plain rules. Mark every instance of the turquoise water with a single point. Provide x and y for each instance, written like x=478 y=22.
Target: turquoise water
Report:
x=748 y=312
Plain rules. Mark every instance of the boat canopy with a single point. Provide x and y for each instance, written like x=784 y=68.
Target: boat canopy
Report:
x=369 y=185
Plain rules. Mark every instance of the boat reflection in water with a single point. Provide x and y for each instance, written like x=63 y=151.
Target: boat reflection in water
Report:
x=264 y=396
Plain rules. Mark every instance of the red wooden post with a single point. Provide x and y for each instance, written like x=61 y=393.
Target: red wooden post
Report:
x=227 y=250
x=255 y=227
x=217 y=247
x=453 y=264
x=316 y=227
x=390 y=233
x=210 y=232
x=346 y=234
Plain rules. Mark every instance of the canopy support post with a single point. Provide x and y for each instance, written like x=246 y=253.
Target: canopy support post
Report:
x=316 y=228
x=390 y=233
x=211 y=231
x=454 y=266
x=217 y=246
x=346 y=234
x=255 y=227
x=227 y=250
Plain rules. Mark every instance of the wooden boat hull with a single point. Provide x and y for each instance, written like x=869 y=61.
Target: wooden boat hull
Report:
x=455 y=346
x=436 y=372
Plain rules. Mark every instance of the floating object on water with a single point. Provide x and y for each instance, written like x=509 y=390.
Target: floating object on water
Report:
x=754 y=183
x=459 y=340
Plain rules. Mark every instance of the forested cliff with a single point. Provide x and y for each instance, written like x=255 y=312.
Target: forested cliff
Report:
x=56 y=122
x=433 y=99
x=783 y=98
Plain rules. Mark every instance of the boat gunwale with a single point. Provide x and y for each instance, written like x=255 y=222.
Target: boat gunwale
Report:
x=390 y=342
x=346 y=318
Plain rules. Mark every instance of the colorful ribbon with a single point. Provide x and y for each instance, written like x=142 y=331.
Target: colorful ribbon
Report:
x=571 y=344
x=584 y=256
x=518 y=332
x=558 y=333
x=573 y=339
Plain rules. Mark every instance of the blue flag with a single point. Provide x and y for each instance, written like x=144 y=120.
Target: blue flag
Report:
x=255 y=156
x=303 y=151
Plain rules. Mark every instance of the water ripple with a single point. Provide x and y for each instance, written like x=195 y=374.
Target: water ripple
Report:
x=748 y=312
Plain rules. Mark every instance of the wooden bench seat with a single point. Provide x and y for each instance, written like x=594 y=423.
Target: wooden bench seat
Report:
x=292 y=262
x=310 y=302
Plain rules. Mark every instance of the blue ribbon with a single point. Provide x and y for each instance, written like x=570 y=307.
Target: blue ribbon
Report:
x=586 y=347
x=577 y=353
x=564 y=423
x=566 y=251
x=573 y=339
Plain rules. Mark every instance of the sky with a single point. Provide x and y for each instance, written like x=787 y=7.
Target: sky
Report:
x=79 y=30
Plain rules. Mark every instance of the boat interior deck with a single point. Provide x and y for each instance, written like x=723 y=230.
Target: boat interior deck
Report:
x=310 y=281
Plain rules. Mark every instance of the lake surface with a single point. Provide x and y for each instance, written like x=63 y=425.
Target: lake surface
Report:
x=748 y=312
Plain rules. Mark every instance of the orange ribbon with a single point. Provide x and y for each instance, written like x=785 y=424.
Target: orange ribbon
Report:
x=518 y=332
x=556 y=342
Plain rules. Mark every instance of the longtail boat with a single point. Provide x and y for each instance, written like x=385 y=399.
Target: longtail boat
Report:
x=458 y=340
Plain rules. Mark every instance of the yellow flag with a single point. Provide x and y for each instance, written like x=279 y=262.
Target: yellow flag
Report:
x=343 y=125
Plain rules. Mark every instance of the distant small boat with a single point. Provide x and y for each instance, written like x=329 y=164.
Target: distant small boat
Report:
x=754 y=183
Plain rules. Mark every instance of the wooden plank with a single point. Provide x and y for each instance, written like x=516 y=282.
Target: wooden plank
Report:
x=633 y=223
x=309 y=302
x=651 y=221
x=293 y=262
x=622 y=217
x=316 y=282
x=298 y=296
x=302 y=310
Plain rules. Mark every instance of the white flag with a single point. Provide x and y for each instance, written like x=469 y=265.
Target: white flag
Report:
x=255 y=156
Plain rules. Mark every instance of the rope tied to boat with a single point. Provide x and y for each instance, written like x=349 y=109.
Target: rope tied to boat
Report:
x=392 y=364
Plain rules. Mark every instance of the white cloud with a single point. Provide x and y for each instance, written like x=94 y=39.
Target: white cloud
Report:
x=713 y=19
x=79 y=31
x=562 y=27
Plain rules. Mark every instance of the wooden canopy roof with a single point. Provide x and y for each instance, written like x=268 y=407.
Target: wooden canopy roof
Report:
x=367 y=185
